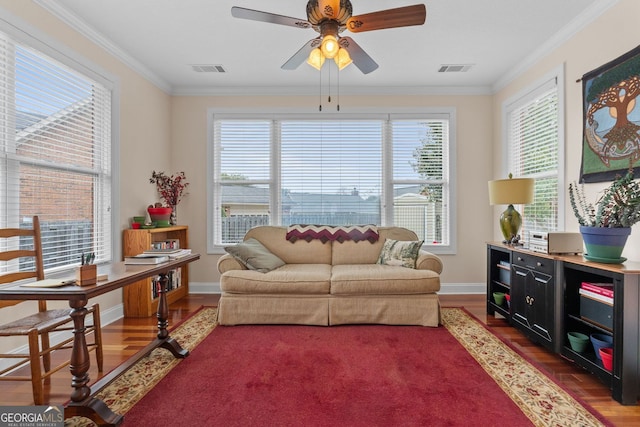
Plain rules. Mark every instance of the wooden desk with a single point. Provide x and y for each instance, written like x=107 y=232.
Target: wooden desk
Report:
x=120 y=275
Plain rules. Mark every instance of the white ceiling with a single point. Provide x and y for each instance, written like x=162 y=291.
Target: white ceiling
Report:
x=162 y=39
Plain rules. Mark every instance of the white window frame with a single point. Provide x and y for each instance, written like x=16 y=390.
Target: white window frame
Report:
x=25 y=33
x=521 y=98
x=213 y=163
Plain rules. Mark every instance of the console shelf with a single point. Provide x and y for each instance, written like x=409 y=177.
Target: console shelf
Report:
x=545 y=305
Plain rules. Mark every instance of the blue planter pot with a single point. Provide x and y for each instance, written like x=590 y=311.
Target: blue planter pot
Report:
x=604 y=242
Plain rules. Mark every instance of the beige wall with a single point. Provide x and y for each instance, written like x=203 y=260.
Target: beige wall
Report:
x=144 y=124
x=167 y=133
x=474 y=160
x=604 y=40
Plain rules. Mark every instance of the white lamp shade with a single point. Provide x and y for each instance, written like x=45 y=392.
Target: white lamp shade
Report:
x=329 y=46
x=512 y=191
x=316 y=59
x=342 y=59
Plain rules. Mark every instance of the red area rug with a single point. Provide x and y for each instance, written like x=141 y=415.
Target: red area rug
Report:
x=356 y=376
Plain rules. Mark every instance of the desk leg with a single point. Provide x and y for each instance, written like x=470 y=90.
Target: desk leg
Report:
x=81 y=403
x=80 y=363
x=163 y=314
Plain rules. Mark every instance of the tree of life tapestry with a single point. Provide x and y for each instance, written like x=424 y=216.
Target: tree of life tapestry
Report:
x=611 y=116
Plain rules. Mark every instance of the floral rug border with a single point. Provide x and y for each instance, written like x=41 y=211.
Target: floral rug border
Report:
x=537 y=395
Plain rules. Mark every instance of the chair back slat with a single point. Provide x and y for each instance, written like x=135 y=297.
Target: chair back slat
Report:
x=14 y=232
x=18 y=253
x=13 y=254
x=18 y=275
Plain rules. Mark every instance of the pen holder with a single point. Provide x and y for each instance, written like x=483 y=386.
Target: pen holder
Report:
x=87 y=275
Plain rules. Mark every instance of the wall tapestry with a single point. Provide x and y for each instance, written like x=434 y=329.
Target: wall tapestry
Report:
x=611 y=119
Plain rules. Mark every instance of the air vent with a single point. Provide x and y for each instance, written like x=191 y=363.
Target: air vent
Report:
x=208 y=68
x=454 y=68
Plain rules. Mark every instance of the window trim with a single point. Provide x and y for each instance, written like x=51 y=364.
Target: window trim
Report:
x=449 y=113
x=29 y=35
x=523 y=96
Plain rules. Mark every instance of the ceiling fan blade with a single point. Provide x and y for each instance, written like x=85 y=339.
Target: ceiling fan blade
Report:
x=390 y=18
x=300 y=56
x=256 y=15
x=359 y=57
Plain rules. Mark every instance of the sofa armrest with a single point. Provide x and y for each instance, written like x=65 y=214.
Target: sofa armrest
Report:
x=428 y=261
x=226 y=263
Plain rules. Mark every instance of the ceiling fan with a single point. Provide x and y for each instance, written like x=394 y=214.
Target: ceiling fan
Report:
x=330 y=18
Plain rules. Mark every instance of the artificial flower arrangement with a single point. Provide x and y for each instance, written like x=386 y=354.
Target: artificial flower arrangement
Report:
x=171 y=188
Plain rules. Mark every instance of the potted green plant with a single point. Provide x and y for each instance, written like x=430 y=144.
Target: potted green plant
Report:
x=606 y=225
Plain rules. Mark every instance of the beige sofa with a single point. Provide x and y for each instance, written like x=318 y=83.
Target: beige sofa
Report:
x=330 y=283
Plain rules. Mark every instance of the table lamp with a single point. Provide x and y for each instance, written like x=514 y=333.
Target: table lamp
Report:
x=509 y=192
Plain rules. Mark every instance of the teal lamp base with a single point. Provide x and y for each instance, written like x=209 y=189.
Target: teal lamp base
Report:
x=510 y=223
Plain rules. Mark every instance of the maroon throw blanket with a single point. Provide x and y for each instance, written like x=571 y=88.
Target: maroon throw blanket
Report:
x=326 y=233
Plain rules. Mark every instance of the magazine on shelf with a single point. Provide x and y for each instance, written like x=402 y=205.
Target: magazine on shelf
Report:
x=146 y=259
x=167 y=251
x=180 y=254
x=595 y=296
x=605 y=289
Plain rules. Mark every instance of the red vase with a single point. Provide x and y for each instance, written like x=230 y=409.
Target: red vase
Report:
x=160 y=216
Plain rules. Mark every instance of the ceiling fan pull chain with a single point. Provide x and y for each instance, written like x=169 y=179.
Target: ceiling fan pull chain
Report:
x=320 y=90
x=329 y=98
x=338 y=91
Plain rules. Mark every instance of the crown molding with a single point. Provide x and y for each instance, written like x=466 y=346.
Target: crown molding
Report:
x=567 y=32
x=344 y=91
x=570 y=30
x=73 y=21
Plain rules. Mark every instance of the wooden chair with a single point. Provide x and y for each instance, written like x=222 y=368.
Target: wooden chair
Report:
x=38 y=325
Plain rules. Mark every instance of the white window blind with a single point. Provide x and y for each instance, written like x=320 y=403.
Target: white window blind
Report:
x=420 y=177
x=55 y=126
x=242 y=183
x=331 y=172
x=533 y=148
x=342 y=171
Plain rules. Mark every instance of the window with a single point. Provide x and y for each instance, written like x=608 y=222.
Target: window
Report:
x=365 y=169
x=55 y=153
x=533 y=132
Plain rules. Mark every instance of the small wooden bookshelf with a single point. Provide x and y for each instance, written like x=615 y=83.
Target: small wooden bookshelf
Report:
x=139 y=300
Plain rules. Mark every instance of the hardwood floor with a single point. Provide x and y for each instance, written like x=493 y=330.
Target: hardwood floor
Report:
x=125 y=337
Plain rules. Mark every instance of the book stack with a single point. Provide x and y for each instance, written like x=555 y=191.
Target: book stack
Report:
x=171 y=253
x=146 y=259
x=602 y=292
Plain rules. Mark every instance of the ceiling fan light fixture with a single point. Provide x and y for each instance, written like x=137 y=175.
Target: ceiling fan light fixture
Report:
x=316 y=59
x=329 y=46
x=342 y=59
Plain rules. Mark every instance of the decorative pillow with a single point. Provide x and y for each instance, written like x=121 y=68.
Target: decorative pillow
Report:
x=253 y=255
x=399 y=252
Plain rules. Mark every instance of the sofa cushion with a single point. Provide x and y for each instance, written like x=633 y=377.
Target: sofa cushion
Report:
x=400 y=253
x=377 y=279
x=289 y=279
x=254 y=256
